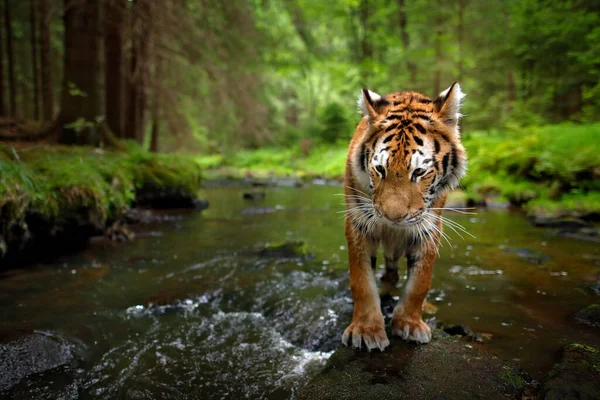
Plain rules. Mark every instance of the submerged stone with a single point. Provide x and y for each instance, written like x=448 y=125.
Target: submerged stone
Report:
x=447 y=368
x=563 y=223
x=577 y=376
x=531 y=255
x=291 y=249
x=589 y=315
x=254 y=195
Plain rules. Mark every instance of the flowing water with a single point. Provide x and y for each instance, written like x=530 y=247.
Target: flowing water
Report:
x=194 y=309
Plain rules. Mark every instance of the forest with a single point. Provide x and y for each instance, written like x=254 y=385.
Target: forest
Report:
x=117 y=115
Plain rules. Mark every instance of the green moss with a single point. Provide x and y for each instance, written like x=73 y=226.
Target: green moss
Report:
x=511 y=377
x=58 y=182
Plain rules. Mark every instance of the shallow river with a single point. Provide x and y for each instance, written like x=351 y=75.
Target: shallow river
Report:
x=193 y=309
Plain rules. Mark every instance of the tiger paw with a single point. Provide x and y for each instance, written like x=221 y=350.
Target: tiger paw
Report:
x=415 y=330
x=371 y=334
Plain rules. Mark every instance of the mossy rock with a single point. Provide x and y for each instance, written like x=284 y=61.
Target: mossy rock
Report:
x=589 y=315
x=577 y=376
x=448 y=367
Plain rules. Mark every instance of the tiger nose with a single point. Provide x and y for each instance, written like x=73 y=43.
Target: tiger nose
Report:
x=392 y=215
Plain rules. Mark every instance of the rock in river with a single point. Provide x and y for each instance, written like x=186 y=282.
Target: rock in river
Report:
x=46 y=353
x=589 y=315
x=577 y=376
x=446 y=368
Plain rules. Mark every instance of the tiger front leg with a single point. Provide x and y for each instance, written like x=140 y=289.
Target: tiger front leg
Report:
x=407 y=321
x=367 y=320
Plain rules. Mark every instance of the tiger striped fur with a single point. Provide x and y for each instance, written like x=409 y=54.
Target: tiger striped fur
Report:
x=404 y=157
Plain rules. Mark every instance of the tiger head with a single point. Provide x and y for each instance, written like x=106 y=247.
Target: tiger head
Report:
x=411 y=151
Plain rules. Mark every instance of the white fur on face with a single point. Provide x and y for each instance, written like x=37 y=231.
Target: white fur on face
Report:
x=423 y=158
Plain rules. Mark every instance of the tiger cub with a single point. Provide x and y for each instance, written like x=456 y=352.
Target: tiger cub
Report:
x=404 y=157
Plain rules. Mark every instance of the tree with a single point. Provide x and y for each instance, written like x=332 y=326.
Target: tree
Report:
x=11 y=62
x=47 y=82
x=34 y=59
x=114 y=19
x=80 y=97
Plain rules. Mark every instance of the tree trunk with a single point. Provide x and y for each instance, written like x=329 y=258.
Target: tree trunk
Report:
x=139 y=71
x=34 y=60
x=80 y=93
x=114 y=12
x=46 y=61
x=2 y=87
x=11 y=64
x=410 y=66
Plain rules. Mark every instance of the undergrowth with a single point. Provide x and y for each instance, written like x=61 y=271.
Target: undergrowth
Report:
x=55 y=181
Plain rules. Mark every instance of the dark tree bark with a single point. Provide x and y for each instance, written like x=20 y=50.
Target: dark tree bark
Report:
x=2 y=87
x=139 y=70
x=10 y=58
x=80 y=90
x=34 y=59
x=155 y=131
x=410 y=66
x=46 y=61
x=114 y=18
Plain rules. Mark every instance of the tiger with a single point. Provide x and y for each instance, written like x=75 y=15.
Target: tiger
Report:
x=404 y=158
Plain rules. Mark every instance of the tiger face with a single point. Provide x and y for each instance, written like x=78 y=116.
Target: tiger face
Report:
x=411 y=154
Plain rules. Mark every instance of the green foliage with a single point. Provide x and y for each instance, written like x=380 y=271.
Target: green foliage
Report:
x=540 y=166
x=334 y=123
x=56 y=181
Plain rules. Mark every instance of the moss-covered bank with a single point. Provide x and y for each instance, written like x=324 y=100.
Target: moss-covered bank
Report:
x=56 y=195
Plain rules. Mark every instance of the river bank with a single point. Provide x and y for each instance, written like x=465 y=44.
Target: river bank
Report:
x=54 y=198
x=550 y=171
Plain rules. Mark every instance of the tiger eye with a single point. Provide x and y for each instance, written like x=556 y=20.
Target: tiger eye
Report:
x=381 y=170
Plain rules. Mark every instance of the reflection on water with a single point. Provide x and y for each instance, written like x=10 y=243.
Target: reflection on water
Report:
x=197 y=312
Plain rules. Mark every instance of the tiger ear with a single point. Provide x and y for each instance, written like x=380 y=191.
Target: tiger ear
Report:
x=448 y=104
x=370 y=104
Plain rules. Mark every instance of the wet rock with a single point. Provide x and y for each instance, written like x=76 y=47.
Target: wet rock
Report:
x=287 y=182
x=589 y=315
x=258 y=210
x=562 y=223
x=461 y=330
x=165 y=198
x=118 y=232
x=497 y=203
x=531 y=255
x=447 y=368
x=596 y=288
x=292 y=249
x=590 y=234
x=35 y=354
x=577 y=376
x=200 y=204
x=254 y=195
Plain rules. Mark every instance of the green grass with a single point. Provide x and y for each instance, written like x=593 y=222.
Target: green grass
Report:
x=552 y=169
x=58 y=182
